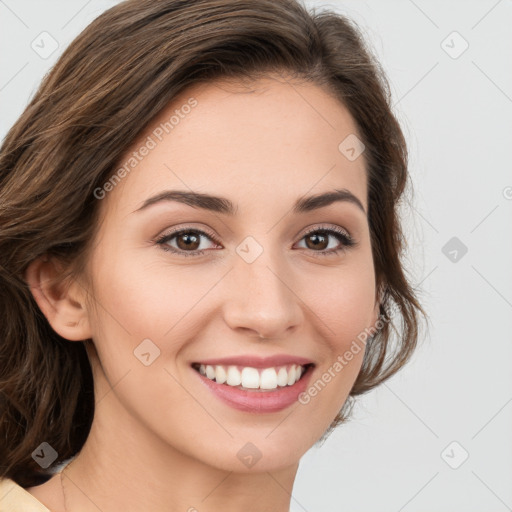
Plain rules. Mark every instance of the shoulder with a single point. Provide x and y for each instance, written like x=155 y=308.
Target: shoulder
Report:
x=14 y=498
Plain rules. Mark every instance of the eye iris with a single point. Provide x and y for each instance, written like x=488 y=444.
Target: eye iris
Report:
x=317 y=236
x=194 y=239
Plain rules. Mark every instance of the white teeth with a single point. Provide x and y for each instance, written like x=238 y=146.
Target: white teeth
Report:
x=210 y=372
x=253 y=378
x=291 y=375
x=250 y=378
x=220 y=375
x=282 y=377
x=234 y=376
x=268 y=379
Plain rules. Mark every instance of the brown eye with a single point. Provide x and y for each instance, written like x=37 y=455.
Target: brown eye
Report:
x=318 y=240
x=185 y=241
x=188 y=240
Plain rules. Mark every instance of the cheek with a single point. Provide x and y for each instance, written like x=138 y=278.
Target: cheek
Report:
x=343 y=306
x=136 y=302
x=344 y=301
x=149 y=298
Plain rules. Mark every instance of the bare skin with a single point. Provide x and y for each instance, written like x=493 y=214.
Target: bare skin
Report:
x=160 y=441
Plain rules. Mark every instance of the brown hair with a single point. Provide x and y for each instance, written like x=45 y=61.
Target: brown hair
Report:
x=105 y=89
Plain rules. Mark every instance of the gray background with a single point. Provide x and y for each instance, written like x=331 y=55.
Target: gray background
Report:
x=404 y=449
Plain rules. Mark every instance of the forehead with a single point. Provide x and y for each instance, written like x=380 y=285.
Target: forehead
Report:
x=271 y=135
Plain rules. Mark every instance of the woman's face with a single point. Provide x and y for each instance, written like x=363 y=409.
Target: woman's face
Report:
x=264 y=269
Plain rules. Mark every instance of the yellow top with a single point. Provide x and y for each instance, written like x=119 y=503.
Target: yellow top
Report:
x=14 y=498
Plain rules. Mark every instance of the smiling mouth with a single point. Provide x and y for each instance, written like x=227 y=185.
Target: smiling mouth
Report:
x=254 y=379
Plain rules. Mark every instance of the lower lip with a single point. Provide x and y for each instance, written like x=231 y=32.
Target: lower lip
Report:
x=258 y=401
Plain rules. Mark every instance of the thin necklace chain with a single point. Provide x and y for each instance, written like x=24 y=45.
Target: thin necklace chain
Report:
x=62 y=487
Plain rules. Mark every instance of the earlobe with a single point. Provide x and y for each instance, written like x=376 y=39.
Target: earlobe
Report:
x=62 y=303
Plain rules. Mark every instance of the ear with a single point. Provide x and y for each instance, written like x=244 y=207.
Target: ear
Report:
x=63 y=304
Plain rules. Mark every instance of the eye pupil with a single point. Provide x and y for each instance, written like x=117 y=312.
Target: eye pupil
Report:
x=191 y=239
x=316 y=236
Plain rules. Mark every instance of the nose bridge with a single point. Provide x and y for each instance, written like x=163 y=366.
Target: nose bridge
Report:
x=262 y=300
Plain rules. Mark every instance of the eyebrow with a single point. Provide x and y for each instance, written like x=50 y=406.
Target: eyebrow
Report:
x=225 y=206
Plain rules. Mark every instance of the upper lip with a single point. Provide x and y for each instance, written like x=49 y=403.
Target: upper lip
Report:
x=254 y=361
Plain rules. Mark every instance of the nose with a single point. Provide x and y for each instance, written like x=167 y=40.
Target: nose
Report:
x=261 y=299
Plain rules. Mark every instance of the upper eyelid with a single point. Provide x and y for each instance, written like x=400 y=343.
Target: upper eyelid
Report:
x=326 y=228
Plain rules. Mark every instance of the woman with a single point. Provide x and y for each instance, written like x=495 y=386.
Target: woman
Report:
x=201 y=257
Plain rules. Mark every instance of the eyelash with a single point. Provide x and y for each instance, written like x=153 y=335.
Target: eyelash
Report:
x=340 y=234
